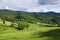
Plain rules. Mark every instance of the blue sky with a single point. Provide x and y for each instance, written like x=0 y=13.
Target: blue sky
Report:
x=31 y=5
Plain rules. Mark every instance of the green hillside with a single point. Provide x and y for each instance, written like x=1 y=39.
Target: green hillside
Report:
x=50 y=18
x=19 y=25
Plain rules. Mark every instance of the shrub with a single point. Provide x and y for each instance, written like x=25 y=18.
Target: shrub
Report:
x=22 y=25
x=12 y=25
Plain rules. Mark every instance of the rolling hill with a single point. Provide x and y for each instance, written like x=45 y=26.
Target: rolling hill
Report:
x=44 y=17
x=19 y=25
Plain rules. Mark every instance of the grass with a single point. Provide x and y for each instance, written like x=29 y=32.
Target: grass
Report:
x=24 y=35
x=32 y=33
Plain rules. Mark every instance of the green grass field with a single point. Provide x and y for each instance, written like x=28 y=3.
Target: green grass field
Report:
x=34 y=32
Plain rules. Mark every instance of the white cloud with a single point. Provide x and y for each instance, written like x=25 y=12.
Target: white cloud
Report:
x=45 y=8
x=20 y=3
x=31 y=5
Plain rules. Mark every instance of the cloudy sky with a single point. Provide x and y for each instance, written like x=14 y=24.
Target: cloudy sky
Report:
x=31 y=5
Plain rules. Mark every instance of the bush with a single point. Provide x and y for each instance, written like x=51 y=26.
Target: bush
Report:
x=12 y=25
x=22 y=25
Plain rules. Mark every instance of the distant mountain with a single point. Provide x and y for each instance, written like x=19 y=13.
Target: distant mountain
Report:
x=44 y=17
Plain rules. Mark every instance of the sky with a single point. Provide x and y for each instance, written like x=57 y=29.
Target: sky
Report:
x=31 y=5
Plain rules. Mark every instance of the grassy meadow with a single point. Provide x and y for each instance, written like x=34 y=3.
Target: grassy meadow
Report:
x=34 y=32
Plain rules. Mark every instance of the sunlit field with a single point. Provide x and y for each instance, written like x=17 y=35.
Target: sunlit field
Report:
x=33 y=32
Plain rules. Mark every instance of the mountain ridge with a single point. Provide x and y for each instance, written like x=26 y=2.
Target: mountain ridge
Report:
x=44 y=17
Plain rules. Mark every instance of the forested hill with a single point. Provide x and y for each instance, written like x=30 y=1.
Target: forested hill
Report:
x=32 y=17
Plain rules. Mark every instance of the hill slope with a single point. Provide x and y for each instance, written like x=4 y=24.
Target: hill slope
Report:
x=32 y=17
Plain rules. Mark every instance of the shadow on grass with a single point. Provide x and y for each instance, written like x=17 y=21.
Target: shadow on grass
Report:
x=54 y=34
